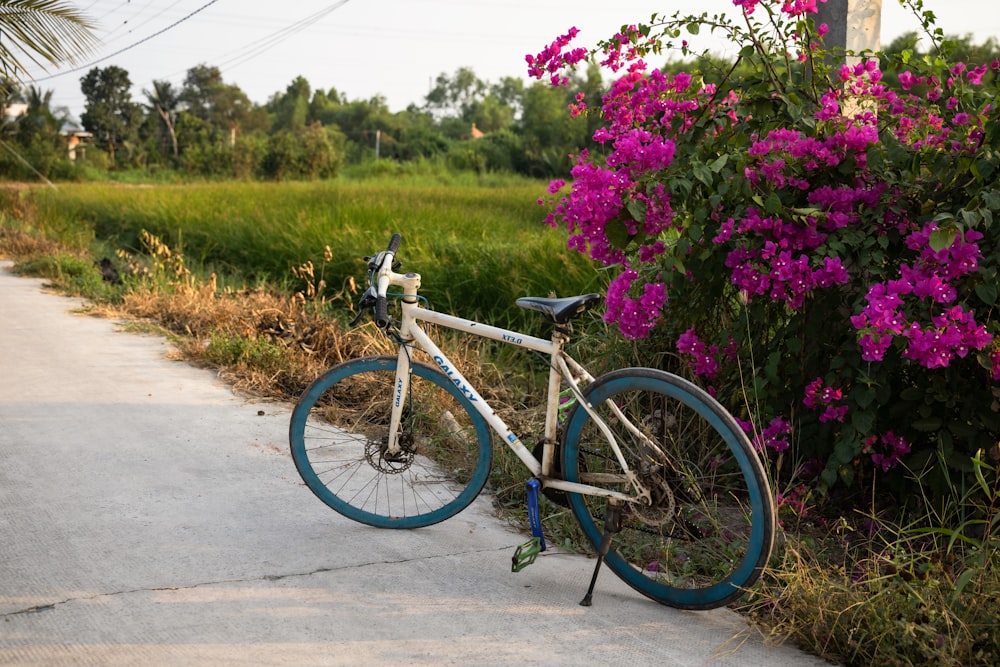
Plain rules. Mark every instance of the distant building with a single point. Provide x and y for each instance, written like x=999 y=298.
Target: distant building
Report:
x=77 y=140
x=12 y=112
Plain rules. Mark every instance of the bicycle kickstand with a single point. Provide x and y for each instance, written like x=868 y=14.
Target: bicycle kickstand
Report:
x=612 y=525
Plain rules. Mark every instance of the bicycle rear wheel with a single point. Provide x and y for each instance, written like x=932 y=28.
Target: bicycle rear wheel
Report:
x=708 y=529
x=339 y=431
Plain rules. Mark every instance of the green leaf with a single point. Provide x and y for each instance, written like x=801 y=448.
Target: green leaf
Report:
x=960 y=583
x=863 y=420
x=978 y=465
x=863 y=396
x=617 y=233
x=693 y=27
x=987 y=293
x=846 y=474
x=637 y=209
x=807 y=211
x=970 y=218
x=992 y=200
x=985 y=168
x=773 y=204
x=927 y=424
x=702 y=172
x=844 y=451
x=718 y=163
x=943 y=238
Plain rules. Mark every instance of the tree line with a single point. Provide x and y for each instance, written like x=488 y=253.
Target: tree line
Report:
x=207 y=127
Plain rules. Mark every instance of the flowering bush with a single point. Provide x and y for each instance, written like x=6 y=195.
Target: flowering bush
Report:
x=817 y=245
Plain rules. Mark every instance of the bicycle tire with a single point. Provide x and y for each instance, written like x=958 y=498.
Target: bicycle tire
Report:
x=338 y=432
x=709 y=530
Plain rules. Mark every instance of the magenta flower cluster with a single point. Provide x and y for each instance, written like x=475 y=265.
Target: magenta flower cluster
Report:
x=689 y=177
x=552 y=60
x=927 y=284
x=829 y=399
x=704 y=359
x=774 y=437
x=793 y=500
x=772 y=259
x=886 y=450
x=790 y=7
x=635 y=317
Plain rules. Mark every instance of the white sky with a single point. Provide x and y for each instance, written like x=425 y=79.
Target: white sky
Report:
x=395 y=48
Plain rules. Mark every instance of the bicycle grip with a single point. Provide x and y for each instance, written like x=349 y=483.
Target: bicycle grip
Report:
x=394 y=243
x=382 y=319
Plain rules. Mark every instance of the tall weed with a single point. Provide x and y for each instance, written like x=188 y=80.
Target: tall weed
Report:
x=873 y=591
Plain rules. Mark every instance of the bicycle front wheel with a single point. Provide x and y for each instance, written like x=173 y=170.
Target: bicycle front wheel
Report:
x=707 y=529
x=340 y=429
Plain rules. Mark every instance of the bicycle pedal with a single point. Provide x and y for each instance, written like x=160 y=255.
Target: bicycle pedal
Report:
x=526 y=554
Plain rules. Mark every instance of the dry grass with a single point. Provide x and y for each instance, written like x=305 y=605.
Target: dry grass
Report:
x=199 y=318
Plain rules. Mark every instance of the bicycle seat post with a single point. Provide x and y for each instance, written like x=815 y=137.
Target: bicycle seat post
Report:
x=612 y=525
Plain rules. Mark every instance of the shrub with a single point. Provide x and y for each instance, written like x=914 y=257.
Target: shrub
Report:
x=815 y=245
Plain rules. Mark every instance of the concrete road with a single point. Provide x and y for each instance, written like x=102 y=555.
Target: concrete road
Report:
x=150 y=517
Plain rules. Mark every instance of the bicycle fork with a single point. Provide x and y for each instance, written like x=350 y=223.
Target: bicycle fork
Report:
x=400 y=394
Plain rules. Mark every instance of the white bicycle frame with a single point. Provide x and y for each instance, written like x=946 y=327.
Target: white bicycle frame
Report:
x=561 y=368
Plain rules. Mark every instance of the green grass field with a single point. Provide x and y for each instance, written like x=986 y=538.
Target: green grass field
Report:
x=477 y=248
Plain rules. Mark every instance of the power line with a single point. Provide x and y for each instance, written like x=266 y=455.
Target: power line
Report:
x=124 y=24
x=255 y=49
x=131 y=46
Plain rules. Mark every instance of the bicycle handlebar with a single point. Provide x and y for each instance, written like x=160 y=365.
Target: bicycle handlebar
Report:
x=384 y=268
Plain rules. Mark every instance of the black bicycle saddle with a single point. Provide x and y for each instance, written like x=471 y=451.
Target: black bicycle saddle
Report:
x=560 y=310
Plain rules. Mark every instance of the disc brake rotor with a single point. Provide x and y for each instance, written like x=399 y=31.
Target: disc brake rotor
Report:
x=379 y=459
x=660 y=512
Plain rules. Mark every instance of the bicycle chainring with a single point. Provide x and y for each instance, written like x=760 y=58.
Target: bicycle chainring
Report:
x=554 y=495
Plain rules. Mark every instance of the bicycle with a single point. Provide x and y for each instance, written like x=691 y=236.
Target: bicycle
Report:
x=660 y=477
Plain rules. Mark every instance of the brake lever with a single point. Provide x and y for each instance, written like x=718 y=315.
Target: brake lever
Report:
x=367 y=302
x=375 y=262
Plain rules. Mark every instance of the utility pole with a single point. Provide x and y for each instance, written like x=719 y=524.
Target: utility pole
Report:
x=855 y=26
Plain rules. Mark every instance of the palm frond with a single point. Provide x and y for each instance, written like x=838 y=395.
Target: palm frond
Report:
x=42 y=32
